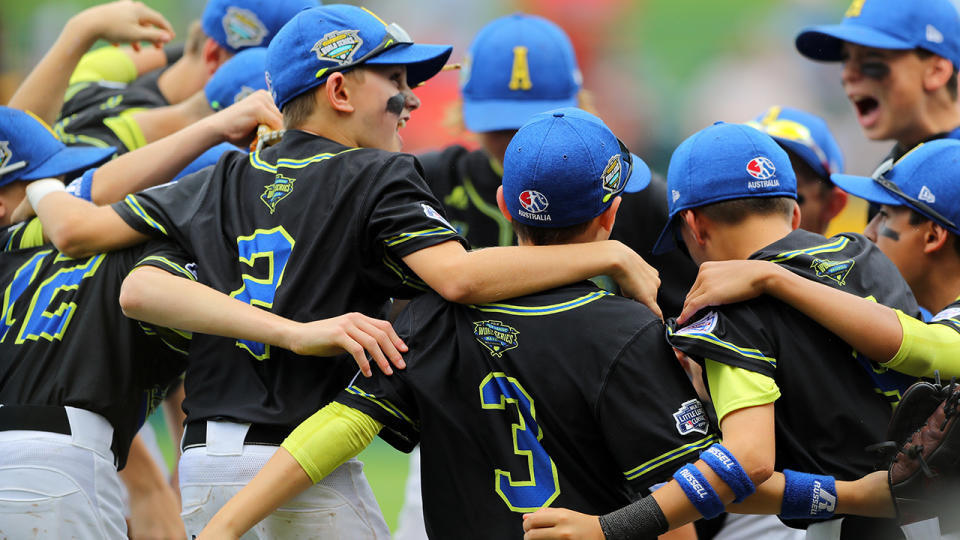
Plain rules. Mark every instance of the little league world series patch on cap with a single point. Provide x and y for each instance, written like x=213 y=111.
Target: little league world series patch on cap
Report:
x=720 y=163
x=238 y=24
x=565 y=167
x=328 y=39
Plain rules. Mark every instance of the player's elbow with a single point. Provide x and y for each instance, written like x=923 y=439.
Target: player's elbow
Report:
x=458 y=289
x=68 y=238
x=134 y=294
x=757 y=465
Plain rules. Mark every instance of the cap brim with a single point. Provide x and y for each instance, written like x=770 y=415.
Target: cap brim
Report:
x=666 y=242
x=70 y=159
x=500 y=114
x=639 y=176
x=422 y=61
x=865 y=188
x=826 y=42
x=806 y=154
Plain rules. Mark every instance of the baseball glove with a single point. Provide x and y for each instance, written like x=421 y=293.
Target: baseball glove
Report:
x=925 y=474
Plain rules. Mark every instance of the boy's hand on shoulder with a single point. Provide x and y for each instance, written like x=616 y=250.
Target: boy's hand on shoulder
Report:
x=123 y=22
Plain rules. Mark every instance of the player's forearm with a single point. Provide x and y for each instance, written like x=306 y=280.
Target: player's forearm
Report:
x=157 y=297
x=278 y=481
x=43 y=90
x=78 y=228
x=153 y=164
x=498 y=273
x=869 y=327
x=926 y=348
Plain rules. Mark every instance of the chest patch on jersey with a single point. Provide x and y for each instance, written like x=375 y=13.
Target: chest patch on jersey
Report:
x=691 y=418
x=496 y=337
x=835 y=270
x=339 y=46
x=277 y=191
x=243 y=28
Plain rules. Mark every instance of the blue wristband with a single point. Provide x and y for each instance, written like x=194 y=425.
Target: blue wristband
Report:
x=729 y=470
x=699 y=491
x=808 y=496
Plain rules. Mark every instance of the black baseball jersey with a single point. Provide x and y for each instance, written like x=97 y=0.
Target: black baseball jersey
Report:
x=833 y=401
x=308 y=229
x=64 y=340
x=467 y=181
x=567 y=398
x=99 y=113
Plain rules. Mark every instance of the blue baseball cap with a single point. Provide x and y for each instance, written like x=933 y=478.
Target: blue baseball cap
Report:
x=338 y=37
x=721 y=163
x=238 y=24
x=237 y=78
x=804 y=134
x=565 y=167
x=517 y=66
x=926 y=179
x=933 y=25
x=29 y=150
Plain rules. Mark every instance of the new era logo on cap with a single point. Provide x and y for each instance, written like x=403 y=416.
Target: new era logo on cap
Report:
x=926 y=195
x=934 y=35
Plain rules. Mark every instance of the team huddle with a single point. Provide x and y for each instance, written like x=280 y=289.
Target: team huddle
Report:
x=570 y=345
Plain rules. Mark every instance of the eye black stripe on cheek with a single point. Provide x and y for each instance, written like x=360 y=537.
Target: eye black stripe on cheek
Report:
x=889 y=233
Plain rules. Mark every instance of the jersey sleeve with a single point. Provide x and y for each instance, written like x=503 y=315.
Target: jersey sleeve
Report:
x=733 y=388
x=402 y=214
x=732 y=335
x=388 y=399
x=104 y=64
x=929 y=347
x=168 y=257
x=167 y=210
x=649 y=412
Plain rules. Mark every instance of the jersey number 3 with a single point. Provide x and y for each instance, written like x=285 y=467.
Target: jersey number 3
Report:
x=275 y=245
x=496 y=390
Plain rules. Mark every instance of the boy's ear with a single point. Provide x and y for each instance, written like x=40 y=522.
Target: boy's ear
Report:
x=935 y=237
x=213 y=56
x=609 y=216
x=338 y=93
x=502 y=204
x=938 y=72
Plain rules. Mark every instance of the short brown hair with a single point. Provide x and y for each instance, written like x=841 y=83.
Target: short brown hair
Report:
x=298 y=109
x=543 y=236
x=952 y=82
x=916 y=218
x=195 y=39
x=736 y=210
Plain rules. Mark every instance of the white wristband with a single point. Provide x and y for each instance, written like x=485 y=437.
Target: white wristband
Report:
x=39 y=189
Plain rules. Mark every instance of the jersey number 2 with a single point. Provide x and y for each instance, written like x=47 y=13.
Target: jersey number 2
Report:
x=496 y=390
x=275 y=245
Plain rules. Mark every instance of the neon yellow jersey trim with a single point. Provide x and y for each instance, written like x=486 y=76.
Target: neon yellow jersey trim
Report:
x=104 y=64
x=835 y=245
x=127 y=129
x=533 y=311
x=733 y=388
x=672 y=455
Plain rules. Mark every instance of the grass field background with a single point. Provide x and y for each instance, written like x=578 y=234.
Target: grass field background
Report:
x=385 y=467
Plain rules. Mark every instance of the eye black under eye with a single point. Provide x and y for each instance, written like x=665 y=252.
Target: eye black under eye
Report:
x=875 y=70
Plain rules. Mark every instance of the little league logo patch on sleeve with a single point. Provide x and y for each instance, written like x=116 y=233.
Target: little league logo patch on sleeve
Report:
x=431 y=213
x=496 y=337
x=243 y=28
x=277 y=191
x=611 y=177
x=338 y=46
x=691 y=418
x=704 y=325
x=835 y=270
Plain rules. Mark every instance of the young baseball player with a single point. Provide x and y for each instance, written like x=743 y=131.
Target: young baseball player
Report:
x=517 y=66
x=68 y=412
x=814 y=155
x=327 y=221
x=585 y=437
x=917 y=228
x=900 y=64
x=732 y=197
